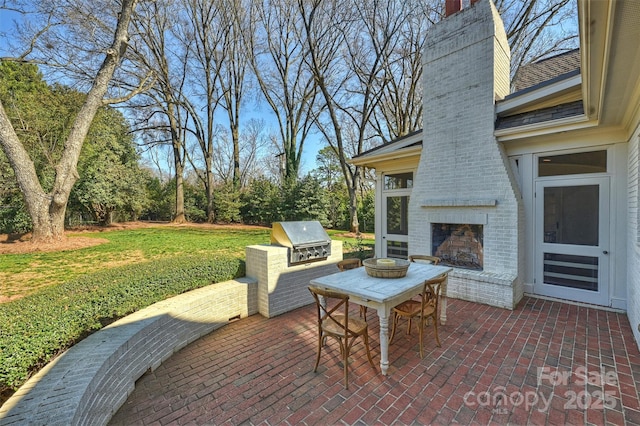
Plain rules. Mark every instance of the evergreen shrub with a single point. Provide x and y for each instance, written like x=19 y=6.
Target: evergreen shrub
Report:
x=36 y=328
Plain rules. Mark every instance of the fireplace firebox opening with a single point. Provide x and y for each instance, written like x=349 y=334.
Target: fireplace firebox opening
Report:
x=458 y=245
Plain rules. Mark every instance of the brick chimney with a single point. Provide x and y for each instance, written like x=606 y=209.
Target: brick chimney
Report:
x=464 y=176
x=454 y=6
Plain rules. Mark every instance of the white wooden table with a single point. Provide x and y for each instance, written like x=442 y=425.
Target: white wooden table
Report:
x=382 y=294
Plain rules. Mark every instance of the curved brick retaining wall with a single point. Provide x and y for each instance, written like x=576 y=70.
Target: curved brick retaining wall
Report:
x=89 y=382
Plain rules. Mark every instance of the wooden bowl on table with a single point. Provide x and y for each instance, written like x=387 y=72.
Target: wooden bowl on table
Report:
x=386 y=268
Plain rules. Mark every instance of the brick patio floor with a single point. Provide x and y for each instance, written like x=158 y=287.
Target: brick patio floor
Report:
x=546 y=362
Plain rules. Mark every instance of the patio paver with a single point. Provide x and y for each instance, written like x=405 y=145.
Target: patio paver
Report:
x=546 y=362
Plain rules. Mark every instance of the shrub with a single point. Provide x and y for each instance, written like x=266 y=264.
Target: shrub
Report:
x=14 y=217
x=262 y=203
x=36 y=328
x=227 y=204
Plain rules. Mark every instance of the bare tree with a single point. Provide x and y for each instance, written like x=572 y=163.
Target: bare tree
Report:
x=222 y=163
x=399 y=111
x=202 y=31
x=356 y=49
x=253 y=146
x=538 y=28
x=252 y=143
x=277 y=51
x=196 y=48
x=47 y=209
x=236 y=22
x=160 y=111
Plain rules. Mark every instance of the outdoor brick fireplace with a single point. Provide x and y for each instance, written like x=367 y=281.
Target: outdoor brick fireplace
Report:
x=458 y=245
x=465 y=206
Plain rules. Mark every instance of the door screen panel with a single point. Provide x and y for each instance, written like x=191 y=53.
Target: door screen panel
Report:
x=397 y=249
x=571 y=215
x=580 y=272
x=398 y=215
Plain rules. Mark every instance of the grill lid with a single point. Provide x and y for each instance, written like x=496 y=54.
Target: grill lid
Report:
x=297 y=234
x=307 y=240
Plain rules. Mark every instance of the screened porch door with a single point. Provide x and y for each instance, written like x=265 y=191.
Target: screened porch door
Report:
x=395 y=218
x=572 y=239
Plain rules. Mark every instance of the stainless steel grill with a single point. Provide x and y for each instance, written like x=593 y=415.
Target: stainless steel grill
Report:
x=307 y=240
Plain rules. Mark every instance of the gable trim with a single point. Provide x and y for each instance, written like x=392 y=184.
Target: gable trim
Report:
x=528 y=97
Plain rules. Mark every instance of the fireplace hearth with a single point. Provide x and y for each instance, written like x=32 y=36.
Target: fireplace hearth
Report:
x=458 y=245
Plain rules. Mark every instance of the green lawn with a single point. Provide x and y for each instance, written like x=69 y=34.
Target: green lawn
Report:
x=24 y=274
x=66 y=295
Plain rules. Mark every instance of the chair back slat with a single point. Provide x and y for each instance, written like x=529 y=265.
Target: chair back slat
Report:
x=423 y=310
x=330 y=308
x=422 y=258
x=345 y=264
x=333 y=323
x=431 y=291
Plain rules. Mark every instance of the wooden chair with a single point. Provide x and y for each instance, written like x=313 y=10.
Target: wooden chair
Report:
x=424 y=258
x=345 y=264
x=424 y=309
x=335 y=322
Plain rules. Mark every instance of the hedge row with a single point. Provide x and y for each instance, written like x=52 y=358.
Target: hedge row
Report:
x=36 y=328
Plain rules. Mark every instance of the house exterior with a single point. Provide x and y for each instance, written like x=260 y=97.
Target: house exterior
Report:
x=525 y=187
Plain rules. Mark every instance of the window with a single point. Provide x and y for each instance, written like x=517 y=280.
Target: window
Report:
x=398 y=181
x=572 y=164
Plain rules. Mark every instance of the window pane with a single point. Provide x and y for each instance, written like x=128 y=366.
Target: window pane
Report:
x=398 y=181
x=573 y=164
x=398 y=215
x=571 y=215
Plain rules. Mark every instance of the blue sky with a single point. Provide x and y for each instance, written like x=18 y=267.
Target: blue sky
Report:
x=6 y=28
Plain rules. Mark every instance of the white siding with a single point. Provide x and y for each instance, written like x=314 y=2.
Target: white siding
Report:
x=633 y=240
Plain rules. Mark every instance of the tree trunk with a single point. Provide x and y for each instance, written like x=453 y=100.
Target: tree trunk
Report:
x=211 y=214
x=353 y=211
x=209 y=187
x=236 y=157
x=47 y=211
x=178 y=161
x=48 y=222
x=179 y=217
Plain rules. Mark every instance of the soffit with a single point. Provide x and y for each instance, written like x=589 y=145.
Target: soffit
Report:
x=406 y=149
x=621 y=76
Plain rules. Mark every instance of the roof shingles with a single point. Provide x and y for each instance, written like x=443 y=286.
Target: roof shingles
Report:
x=546 y=69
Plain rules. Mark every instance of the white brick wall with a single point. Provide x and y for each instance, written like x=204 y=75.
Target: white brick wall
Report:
x=466 y=68
x=88 y=383
x=282 y=288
